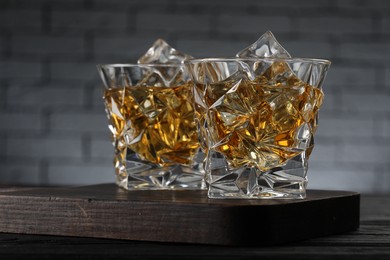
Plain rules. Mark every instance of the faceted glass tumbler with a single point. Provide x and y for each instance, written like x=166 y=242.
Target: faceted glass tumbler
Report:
x=151 y=118
x=256 y=119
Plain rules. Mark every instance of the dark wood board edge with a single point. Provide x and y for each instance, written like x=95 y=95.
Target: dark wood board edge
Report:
x=164 y=221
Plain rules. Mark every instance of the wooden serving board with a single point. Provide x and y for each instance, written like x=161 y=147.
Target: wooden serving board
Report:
x=105 y=211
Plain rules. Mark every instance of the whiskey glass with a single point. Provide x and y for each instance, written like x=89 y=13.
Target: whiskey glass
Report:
x=256 y=119
x=151 y=119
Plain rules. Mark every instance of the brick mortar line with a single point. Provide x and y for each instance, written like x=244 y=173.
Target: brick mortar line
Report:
x=90 y=5
x=346 y=165
x=88 y=45
x=43 y=171
x=18 y=134
x=46 y=17
x=86 y=147
x=61 y=161
x=46 y=114
x=3 y=141
x=363 y=37
x=4 y=85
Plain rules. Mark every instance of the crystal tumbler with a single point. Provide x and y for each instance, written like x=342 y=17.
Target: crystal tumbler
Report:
x=256 y=119
x=151 y=118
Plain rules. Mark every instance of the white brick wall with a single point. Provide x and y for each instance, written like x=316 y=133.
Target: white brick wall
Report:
x=20 y=69
x=239 y=23
x=174 y=23
x=46 y=95
x=75 y=21
x=37 y=147
x=53 y=127
x=79 y=122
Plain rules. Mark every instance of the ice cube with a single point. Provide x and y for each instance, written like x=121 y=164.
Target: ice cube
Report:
x=161 y=52
x=167 y=69
x=265 y=47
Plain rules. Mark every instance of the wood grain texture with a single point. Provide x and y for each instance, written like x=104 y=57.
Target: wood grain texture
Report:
x=370 y=241
x=105 y=211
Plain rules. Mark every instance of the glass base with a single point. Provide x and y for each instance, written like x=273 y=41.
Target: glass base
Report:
x=140 y=176
x=285 y=181
x=216 y=193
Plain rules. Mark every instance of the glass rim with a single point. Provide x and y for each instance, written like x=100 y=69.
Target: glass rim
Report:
x=140 y=65
x=251 y=59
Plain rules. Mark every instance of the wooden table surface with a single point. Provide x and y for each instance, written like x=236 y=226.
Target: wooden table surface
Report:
x=370 y=241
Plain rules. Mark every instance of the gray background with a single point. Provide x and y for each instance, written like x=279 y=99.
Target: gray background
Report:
x=53 y=129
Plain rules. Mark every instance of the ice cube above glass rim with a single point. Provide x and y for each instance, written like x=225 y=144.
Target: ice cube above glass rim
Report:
x=265 y=47
x=162 y=53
